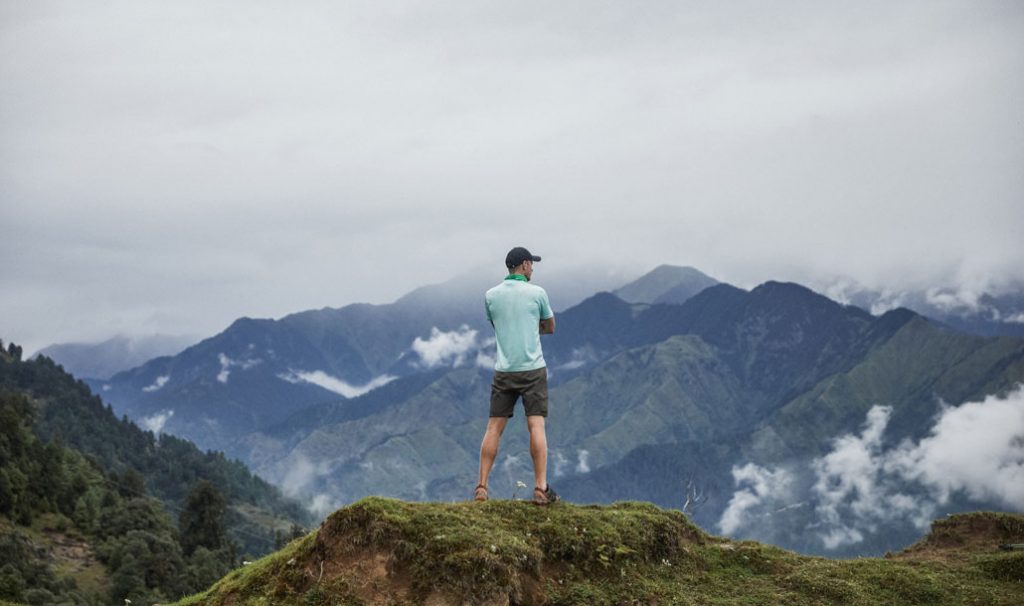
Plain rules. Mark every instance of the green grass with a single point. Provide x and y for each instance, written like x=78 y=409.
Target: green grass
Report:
x=384 y=551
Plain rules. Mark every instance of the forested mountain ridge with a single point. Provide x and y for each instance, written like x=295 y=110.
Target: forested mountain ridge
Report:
x=93 y=509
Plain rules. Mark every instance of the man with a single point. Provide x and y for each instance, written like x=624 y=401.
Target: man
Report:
x=520 y=313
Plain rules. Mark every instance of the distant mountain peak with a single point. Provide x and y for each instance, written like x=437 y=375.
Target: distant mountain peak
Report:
x=666 y=284
x=105 y=359
x=797 y=294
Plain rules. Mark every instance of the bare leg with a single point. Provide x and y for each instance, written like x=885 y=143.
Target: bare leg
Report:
x=489 y=446
x=538 y=450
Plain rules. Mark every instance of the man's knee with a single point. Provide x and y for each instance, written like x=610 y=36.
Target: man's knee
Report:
x=496 y=425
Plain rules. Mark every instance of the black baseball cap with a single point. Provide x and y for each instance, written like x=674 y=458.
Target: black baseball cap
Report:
x=517 y=255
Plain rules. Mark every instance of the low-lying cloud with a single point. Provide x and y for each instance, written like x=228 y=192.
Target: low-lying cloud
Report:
x=227 y=363
x=454 y=348
x=322 y=505
x=855 y=490
x=299 y=475
x=759 y=486
x=580 y=357
x=582 y=464
x=977 y=448
x=332 y=383
x=974 y=451
x=155 y=423
x=954 y=300
x=157 y=384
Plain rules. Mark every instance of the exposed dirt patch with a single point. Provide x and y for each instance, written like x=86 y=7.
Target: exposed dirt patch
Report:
x=970 y=532
x=70 y=553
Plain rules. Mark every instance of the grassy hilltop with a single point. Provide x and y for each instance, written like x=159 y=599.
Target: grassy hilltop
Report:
x=388 y=552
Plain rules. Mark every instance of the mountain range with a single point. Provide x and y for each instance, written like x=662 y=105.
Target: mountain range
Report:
x=689 y=385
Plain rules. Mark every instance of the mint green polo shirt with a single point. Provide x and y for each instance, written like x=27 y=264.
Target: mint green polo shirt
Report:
x=515 y=308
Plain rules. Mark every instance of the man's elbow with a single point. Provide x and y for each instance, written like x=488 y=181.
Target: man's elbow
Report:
x=547 y=327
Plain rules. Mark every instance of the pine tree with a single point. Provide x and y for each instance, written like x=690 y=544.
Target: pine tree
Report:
x=202 y=521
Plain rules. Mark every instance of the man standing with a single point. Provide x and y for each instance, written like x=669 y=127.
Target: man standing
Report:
x=520 y=313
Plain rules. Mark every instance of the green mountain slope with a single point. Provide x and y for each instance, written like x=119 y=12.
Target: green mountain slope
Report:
x=90 y=505
x=381 y=551
x=676 y=390
x=68 y=411
x=917 y=370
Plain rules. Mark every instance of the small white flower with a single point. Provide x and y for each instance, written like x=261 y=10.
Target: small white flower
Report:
x=246 y=562
x=127 y=601
x=494 y=548
x=520 y=484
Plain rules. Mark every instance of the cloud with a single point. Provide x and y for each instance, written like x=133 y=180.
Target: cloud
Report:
x=853 y=493
x=331 y=383
x=322 y=505
x=451 y=347
x=762 y=486
x=560 y=463
x=580 y=357
x=581 y=465
x=486 y=355
x=155 y=423
x=298 y=474
x=160 y=382
x=484 y=360
x=975 y=451
x=298 y=477
x=226 y=363
x=976 y=448
x=950 y=300
x=510 y=462
x=839 y=290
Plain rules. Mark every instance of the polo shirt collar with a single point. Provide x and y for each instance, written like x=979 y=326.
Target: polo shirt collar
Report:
x=519 y=277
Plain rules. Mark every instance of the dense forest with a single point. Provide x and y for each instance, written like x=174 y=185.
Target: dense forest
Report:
x=94 y=509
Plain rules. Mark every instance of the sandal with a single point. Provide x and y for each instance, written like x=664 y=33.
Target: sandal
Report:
x=480 y=493
x=546 y=496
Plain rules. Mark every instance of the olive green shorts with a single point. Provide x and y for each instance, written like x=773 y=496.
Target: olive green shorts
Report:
x=507 y=387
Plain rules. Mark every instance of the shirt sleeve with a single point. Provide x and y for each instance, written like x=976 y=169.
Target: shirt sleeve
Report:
x=487 y=310
x=545 y=305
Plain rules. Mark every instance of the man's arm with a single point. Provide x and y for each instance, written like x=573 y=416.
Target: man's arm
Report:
x=547 y=327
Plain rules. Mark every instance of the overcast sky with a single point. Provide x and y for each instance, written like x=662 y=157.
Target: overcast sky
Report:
x=170 y=166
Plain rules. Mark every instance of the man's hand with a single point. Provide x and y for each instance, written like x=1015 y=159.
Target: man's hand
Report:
x=547 y=327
